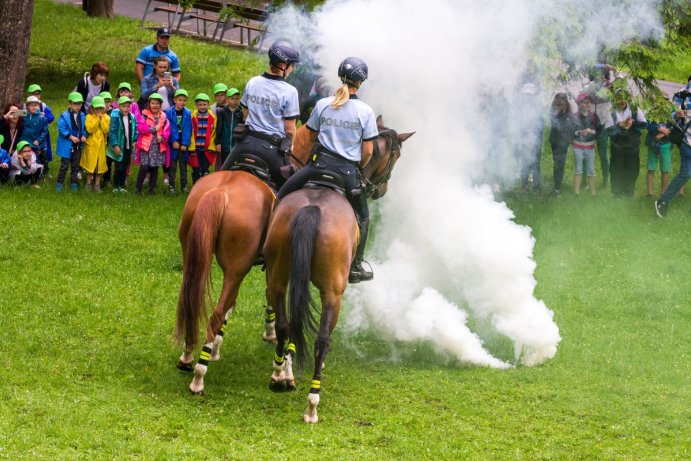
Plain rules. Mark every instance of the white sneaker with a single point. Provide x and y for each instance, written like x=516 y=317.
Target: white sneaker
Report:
x=166 y=182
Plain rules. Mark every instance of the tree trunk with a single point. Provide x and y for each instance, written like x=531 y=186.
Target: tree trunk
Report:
x=15 y=36
x=100 y=8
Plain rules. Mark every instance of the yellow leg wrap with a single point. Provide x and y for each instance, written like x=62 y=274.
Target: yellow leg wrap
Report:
x=316 y=384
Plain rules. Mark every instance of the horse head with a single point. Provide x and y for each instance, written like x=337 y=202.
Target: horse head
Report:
x=387 y=150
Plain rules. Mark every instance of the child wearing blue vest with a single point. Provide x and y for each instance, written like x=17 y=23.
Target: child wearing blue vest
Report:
x=71 y=139
x=180 y=118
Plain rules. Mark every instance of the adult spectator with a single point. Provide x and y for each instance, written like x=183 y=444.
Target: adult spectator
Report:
x=160 y=81
x=145 y=61
x=682 y=118
x=625 y=139
x=93 y=83
x=601 y=78
x=11 y=127
x=561 y=134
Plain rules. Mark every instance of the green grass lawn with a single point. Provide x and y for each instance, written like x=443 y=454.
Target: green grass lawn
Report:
x=88 y=303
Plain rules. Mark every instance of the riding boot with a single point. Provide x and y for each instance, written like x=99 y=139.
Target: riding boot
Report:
x=357 y=272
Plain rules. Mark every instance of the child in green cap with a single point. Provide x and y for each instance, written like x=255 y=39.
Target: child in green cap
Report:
x=220 y=90
x=122 y=138
x=180 y=118
x=203 y=138
x=24 y=167
x=71 y=138
x=94 y=156
x=228 y=118
x=154 y=132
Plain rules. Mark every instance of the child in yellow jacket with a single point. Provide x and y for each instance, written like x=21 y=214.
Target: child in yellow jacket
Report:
x=94 y=157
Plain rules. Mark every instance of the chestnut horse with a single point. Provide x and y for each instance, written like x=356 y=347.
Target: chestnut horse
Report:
x=226 y=214
x=312 y=236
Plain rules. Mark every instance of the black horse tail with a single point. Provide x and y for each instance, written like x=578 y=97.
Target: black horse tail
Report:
x=303 y=231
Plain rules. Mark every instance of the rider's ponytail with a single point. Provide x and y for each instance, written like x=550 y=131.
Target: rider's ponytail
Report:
x=341 y=97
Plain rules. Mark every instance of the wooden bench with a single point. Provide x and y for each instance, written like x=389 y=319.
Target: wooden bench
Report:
x=171 y=7
x=247 y=16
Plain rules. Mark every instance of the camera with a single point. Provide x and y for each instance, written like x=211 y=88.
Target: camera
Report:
x=19 y=113
x=167 y=75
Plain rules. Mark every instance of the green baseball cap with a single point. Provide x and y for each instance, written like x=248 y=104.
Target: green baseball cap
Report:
x=33 y=88
x=97 y=102
x=155 y=96
x=124 y=100
x=202 y=97
x=232 y=92
x=75 y=97
x=124 y=85
x=21 y=145
x=181 y=92
x=106 y=95
x=220 y=87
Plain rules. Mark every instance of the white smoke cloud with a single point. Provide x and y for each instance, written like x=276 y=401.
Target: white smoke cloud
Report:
x=443 y=246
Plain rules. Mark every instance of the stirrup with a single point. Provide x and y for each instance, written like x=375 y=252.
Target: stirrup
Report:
x=360 y=274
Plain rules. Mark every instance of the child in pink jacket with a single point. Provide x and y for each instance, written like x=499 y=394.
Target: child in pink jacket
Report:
x=154 y=131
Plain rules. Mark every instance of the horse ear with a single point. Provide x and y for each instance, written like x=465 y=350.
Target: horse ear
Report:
x=380 y=122
x=403 y=136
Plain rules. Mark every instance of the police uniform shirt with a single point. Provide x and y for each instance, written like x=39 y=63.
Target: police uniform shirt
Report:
x=269 y=101
x=342 y=130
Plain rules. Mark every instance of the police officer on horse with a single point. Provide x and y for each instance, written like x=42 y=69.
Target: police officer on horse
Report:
x=270 y=106
x=345 y=129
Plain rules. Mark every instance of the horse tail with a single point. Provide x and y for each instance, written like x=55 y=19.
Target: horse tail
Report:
x=196 y=280
x=303 y=231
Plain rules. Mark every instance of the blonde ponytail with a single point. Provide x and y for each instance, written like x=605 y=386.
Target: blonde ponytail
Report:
x=341 y=97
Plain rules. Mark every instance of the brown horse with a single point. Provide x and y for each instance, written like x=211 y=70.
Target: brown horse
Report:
x=226 y=214
x=312 y=236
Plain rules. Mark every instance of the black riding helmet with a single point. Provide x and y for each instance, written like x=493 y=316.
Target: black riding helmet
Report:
x=352 y=70
x=282 y=51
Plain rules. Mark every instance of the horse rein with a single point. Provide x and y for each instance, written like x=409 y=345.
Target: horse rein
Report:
x=390 y=139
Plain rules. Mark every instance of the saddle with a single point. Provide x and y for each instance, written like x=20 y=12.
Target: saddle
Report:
x=254 y=165
x=328 y=179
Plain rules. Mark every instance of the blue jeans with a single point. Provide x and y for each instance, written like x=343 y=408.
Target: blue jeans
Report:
x=679 y=180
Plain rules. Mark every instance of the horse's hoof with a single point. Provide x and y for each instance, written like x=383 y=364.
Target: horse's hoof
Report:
x=269 y=339
x=196 y=391
x=185 y=366
x=290 y=385
x=215 y=357
x=277 y=386
x=310 y=419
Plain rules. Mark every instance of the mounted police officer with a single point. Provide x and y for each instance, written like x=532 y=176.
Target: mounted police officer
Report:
x=270 y=106
x=344 y=129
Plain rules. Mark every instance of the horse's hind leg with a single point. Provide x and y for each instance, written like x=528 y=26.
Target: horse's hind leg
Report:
x=330 y=308
x=224 y=309
x=214 y=334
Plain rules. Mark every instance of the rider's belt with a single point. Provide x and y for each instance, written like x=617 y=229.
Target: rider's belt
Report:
x=274 y=139
x=333 y=157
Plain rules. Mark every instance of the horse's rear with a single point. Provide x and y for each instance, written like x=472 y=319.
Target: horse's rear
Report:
x=312 y=237
x=226 y=214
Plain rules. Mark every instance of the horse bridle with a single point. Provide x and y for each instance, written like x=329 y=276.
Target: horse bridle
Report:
x=391 y=139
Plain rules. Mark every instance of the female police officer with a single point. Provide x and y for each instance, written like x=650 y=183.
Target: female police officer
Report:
x=270 y=107
x=344 y=129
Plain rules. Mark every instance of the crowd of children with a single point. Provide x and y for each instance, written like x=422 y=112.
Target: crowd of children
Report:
x=98 y=144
